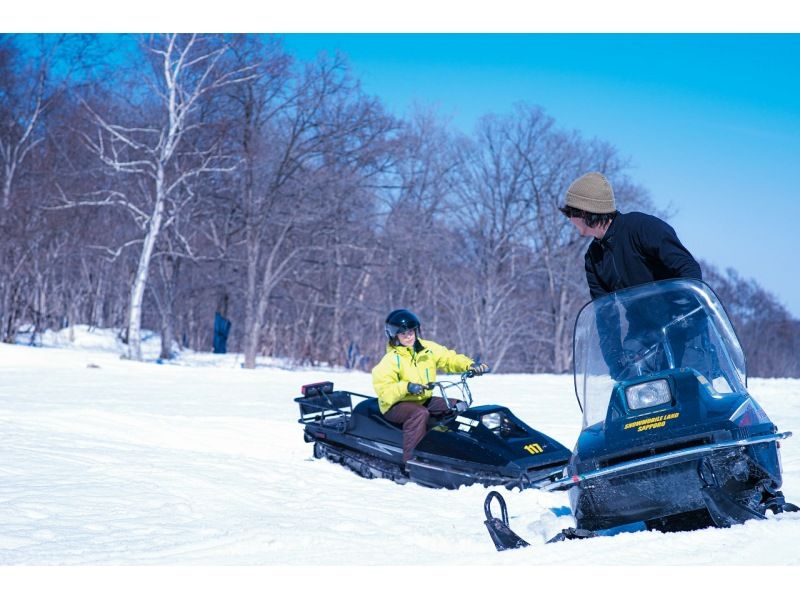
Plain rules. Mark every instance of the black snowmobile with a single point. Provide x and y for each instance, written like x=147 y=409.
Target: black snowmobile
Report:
x=486 y=445
x=671 y=438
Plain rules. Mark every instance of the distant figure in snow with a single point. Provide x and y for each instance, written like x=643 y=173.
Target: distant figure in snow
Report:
x=401 y=376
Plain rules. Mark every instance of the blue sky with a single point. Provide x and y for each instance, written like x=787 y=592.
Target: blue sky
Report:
x=710 y=122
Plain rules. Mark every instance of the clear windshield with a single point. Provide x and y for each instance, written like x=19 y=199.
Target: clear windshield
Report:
x=652 y=328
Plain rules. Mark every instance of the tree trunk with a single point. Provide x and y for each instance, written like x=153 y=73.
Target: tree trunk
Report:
x=9 y=175
x=142 y=271
x=167 y=336
x=252 y=323
x=169 y=274
x=96 y=318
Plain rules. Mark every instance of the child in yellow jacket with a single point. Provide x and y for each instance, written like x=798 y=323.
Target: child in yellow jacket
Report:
x=401 y=376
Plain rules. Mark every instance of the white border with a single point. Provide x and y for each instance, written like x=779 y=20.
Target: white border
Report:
x=421 y=16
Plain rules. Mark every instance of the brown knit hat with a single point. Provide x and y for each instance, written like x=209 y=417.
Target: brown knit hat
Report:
x=591 y=193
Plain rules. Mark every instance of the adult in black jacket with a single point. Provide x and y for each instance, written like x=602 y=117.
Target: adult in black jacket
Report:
x=626 y=250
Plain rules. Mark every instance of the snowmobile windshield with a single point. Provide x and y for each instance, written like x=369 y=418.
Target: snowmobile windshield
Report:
x=651 y=329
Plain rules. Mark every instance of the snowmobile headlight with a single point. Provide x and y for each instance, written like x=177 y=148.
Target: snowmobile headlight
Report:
x=648 y=394
x=492 y=420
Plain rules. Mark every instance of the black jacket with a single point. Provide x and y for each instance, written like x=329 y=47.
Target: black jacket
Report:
x=637 y=248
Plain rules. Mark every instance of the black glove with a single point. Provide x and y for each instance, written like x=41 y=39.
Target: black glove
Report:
x=415 y=389
x=478 y=369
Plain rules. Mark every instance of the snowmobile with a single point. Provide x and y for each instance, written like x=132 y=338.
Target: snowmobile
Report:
x=671 y=439
x=484 y=444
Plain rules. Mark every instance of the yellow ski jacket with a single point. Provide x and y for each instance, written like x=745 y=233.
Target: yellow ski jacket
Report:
x=419 y=364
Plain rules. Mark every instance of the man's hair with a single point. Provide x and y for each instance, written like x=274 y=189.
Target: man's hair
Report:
x=589 y=218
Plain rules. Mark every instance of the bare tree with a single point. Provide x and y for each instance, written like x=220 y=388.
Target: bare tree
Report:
x=35 y=72
x=769 y=335
x=520 y=260
x=301 y=136
x=409 y=262
x=552 y=160
x=495 y=210
x=156 y=151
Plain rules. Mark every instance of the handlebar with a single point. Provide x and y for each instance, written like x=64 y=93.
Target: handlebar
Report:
x=463 y=376
x=466 y=395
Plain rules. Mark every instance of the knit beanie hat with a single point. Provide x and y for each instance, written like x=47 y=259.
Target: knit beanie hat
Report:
x=591 y=193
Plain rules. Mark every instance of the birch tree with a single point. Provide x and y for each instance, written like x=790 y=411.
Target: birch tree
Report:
x=161 y=153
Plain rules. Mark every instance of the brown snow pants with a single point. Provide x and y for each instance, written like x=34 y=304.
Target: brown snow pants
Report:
x=414 y=417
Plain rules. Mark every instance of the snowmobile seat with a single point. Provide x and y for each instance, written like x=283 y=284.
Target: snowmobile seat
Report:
x=369 y=409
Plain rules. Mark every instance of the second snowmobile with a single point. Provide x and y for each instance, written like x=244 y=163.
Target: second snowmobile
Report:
x=484 y=444
x=671 y=437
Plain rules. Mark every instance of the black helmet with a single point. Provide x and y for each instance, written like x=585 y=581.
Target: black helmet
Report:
x=400 y=320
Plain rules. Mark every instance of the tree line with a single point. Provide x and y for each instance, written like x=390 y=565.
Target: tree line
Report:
x=175 y=177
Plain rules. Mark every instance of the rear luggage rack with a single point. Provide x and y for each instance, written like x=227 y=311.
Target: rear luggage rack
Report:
x=321 y=405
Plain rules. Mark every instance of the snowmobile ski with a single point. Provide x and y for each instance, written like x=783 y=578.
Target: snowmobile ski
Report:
x=501 y=534
x=571 y=533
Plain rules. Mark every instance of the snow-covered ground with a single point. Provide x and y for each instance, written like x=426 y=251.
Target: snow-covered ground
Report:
x=104 y=461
